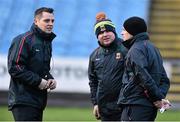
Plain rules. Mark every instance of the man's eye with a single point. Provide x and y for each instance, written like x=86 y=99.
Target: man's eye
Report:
x=101 y=32
x=48 y=20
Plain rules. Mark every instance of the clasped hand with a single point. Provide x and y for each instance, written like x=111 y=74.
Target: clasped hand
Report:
x=47 y=84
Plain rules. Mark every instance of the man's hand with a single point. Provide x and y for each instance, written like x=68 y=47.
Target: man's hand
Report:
x=51 y=84
x=162 y=104
x=43 y=84
x=158 y=104
x=96 y=112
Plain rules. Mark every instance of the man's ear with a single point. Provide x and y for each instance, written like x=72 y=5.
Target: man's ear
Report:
x=35 y=21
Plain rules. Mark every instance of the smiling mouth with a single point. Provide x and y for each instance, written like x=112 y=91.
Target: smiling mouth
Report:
x=49 y=29
x=106 y=38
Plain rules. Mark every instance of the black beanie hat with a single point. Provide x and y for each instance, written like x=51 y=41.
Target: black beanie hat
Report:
x=102 y=24
x=135 y=25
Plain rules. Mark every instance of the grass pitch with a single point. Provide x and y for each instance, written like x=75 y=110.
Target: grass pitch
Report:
x=80 y=114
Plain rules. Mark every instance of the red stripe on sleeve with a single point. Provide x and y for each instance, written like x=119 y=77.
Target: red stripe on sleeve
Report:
x=20 y=50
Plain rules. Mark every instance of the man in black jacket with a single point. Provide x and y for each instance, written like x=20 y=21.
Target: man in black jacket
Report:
x=145 y=83
x=106 y=66
x=29 y=65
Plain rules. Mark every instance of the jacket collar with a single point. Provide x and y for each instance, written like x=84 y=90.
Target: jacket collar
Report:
x=45 y=36
x=141 y=36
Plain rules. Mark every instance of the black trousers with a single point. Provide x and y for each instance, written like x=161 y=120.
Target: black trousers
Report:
x=27 y=113
x=138 y=113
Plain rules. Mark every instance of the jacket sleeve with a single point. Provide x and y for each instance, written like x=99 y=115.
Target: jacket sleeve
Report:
x=18 y=57
x=93 y=83
x=140 y=64
x=50 y=76
x=164 y=83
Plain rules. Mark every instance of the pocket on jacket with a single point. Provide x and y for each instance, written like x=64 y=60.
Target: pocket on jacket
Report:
x=111 y=108
x=128 y=89
x=98 y=66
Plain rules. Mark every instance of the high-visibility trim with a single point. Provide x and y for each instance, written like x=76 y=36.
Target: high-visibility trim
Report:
x=103 y=23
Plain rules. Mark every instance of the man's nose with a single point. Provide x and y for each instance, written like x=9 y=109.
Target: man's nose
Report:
x=51 y=22
x=122 y=32
x=104 y=33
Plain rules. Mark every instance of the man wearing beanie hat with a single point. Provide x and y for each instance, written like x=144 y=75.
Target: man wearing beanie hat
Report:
x=145 y=83
x=106 y=67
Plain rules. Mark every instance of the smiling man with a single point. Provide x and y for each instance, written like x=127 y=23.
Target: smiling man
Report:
x=106 y=66
x=29 y=65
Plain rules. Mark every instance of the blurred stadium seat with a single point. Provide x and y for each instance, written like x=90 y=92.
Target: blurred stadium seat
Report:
x=165 y=34
x=164 y=27
x=74 y=21
x=5 y=10
x=18 y=20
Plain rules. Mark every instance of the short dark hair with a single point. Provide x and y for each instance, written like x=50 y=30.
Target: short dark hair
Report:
x=43 y=9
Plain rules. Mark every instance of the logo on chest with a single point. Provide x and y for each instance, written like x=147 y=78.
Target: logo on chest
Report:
x=118 y=55
x=37 y=50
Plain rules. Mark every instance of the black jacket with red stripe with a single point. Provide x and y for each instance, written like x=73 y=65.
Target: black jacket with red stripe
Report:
x=28 y=62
